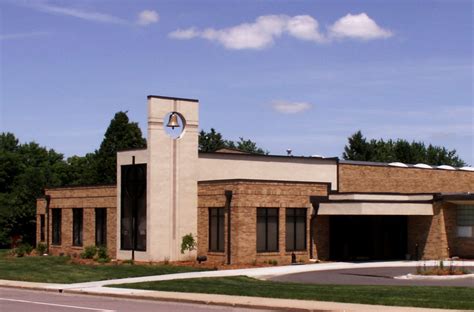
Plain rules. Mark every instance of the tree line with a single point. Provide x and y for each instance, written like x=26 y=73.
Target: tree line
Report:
x=27 y=168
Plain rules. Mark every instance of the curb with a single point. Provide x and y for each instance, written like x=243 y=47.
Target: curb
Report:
x=199 y=301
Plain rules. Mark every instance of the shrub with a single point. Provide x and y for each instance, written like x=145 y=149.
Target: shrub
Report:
x=102 y=252
x=129 y=261
x=89 y=252
x=41 y=249
x=23 y=249
x=188 y=243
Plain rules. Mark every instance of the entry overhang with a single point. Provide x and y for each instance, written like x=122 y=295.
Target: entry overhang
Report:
x=386 y=209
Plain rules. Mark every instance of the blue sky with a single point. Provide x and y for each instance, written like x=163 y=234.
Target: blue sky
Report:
x=303 y=75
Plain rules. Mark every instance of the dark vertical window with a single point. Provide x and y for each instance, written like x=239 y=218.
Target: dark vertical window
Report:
x=77 y=218
x=267 y=229
x=42 y=226
x=295 y=229
x=216 y=229
x=101 y=226
x=133 y=207
x=56 y=224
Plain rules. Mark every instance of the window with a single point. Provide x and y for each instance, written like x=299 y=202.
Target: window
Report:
x=133 y=207
x=77 y=214
x=295 y=229
x=465 y=220
x=42 y=228
x=267 y=229
x=101 y=226
x=56 y=215
x=216 y=229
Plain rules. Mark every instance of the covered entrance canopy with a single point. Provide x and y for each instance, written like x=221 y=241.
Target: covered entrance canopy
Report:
x=377 y=204
x=371 y=226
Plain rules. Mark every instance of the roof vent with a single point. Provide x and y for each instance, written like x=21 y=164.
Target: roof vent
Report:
x=446 y=167
x=397 y=164
x=424 y=166
x=467 y=168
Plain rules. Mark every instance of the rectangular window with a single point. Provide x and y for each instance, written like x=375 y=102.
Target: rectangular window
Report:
x=267 y=229
x=101 y=226
x=56 y=224
x=295 y=229
x=133 y=207
x=77 y=217
x=465 y=215
x=465 y=220
x=216 y=229
x=42 y=226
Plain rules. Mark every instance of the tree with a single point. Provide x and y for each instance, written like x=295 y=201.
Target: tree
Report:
x=25 y=169
x=359 y=148
x=213 y=141
x=121 y=134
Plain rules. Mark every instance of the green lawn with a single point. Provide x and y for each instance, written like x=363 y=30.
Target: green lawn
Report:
x=416 y=296
x=50 y=269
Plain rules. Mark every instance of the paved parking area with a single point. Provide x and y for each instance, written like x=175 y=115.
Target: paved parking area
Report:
x=369 y=276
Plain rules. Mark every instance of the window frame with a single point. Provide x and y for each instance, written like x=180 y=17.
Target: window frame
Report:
x=220 y=219
x=42 y=228
x=77 y=227
x=56 y=226
x=266 y=232
x=101 y=225
x=295 y=216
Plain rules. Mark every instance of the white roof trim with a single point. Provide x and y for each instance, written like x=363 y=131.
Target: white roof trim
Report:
x=368 y=209
x=375 y=197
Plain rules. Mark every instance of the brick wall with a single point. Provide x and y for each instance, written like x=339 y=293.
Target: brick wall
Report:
x=87 y=198
x=247 y=197
x=385 y=179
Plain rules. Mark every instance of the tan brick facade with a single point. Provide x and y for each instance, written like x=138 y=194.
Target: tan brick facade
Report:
x=386 y=179
x=247 y=197
x=87 y=198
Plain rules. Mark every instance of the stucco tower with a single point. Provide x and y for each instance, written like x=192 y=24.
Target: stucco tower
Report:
x=172 y=176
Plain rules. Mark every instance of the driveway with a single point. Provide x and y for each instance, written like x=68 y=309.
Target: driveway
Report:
x=369 y=276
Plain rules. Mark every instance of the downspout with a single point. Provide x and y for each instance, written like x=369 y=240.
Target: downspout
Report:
x=312 y=222
x=48 y=200
x=228 y=200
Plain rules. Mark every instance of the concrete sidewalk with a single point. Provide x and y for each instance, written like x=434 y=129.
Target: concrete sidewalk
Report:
x=261 y=273
x=96 y=288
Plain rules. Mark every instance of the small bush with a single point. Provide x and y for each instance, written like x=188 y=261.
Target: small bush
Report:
x=188 y=243
x=89 y=252
x=166 y=261
x=103 y=260
x=41 y=249
x=23 y=249
x=129 y=261
x=102 y=252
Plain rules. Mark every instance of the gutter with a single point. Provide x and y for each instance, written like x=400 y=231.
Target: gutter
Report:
x=228 y=200
x=312 y=223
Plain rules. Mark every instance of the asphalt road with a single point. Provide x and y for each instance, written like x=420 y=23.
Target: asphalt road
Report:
x=20 y=300
x=369 y=276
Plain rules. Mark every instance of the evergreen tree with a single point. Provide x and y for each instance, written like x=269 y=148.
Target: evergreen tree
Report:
x=400 y=150
x=213 y=141
x=121 y=134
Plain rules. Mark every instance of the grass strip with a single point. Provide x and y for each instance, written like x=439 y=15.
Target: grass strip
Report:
x=52 y=269
x=412 y=296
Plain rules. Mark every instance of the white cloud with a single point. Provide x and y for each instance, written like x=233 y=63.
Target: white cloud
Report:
x=263 y=32
x=78 y=13
x=359 y=26
x=188 y=33
x=23 y=35
x=147 y=17
x=305 y=27
x=285 y=107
